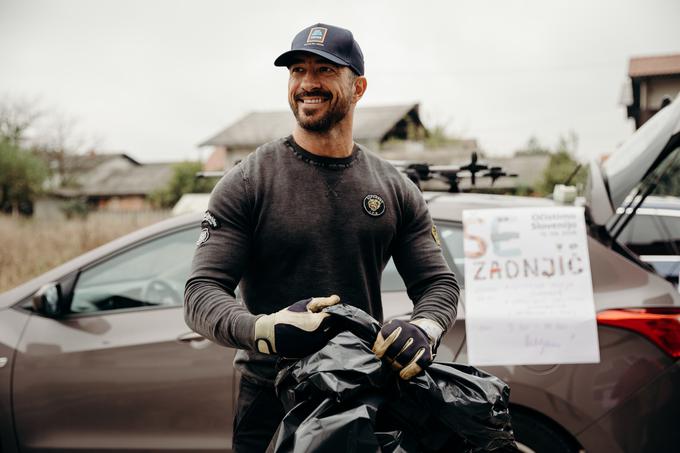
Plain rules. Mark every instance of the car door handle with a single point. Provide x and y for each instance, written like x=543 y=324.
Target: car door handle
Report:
x=190 y=337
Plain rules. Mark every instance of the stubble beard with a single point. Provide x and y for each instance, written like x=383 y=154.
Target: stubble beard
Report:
x=336 y=112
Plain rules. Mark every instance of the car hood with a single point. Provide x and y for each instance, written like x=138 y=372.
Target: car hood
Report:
x=611 y=181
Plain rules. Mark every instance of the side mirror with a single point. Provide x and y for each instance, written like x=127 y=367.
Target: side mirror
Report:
x=49 y=301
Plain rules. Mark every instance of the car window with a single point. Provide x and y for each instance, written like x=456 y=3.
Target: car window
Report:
x=672 y=228
x=452 y=239
x=150 y=274
x=652 y=235
x=643 y=230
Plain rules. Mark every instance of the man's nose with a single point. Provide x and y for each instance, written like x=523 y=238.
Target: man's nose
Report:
x=310 y=80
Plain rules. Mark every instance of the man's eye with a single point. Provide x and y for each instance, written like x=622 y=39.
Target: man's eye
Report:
x=296 y=69
x=325 y=69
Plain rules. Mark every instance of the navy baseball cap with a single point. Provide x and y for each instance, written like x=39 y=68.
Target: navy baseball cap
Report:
x=332 y=43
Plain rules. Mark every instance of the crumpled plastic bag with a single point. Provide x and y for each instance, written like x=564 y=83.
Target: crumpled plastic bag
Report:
x=344 y=399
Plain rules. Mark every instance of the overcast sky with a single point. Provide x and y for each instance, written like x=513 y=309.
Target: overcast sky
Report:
x=154 y=78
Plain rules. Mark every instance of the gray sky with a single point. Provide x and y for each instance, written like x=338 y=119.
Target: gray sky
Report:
x=154 y=78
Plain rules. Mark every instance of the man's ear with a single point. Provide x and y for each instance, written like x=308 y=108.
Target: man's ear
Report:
x=360 y=85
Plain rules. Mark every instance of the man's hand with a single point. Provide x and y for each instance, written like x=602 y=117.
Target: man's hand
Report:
x=408 y=346
x=298 y=330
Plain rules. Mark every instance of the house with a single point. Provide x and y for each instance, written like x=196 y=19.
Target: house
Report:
x=114 y=182
x=396 y=132
x=654 y=81
x=373 y=127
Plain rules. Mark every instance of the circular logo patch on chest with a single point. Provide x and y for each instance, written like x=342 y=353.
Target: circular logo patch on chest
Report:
x=374 y=205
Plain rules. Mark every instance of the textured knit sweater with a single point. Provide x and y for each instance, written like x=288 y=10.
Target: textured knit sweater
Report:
x=286 y=225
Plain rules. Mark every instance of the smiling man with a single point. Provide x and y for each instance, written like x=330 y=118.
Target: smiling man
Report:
x=317 y=109
x=326 y=81
x=314 y=218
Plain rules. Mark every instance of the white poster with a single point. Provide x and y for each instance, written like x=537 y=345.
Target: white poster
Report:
x=528 y=289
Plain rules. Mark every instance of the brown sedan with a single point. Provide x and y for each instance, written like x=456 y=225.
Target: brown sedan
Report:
x=95 y=355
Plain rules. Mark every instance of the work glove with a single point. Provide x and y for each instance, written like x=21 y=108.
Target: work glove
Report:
x=409 y=346
x=298 y=330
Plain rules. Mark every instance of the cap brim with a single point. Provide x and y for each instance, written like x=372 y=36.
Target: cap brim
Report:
x=286 y=58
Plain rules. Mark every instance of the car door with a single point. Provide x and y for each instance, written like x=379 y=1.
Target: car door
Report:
x=123 y=372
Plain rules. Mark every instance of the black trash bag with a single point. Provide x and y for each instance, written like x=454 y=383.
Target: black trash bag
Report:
x=344 y=399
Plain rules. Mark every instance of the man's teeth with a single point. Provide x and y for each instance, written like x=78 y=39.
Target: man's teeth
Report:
x=313 y=100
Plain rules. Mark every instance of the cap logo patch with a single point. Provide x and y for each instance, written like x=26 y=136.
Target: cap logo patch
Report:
x=374 y=205
x=203 y=237
x=317 y=35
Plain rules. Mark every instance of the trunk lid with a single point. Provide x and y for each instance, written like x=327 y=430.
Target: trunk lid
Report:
x=610 y=182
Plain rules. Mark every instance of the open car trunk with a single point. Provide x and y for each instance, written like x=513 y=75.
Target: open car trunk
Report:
x=657 y=142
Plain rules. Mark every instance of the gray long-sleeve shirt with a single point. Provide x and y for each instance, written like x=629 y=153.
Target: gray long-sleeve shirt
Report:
x=288 y=225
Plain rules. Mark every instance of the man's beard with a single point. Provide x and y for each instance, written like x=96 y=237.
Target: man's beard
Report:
x=335 y=113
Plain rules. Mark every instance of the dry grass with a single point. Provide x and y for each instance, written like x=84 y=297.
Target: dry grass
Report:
x=30 y=247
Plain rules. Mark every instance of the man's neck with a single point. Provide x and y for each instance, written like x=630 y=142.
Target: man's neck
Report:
x=336 y=142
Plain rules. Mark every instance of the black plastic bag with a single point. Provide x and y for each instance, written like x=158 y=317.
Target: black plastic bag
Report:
x=344 y=399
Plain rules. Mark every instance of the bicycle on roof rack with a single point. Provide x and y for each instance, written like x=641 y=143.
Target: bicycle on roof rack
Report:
x=451 y=174
x=419 y=172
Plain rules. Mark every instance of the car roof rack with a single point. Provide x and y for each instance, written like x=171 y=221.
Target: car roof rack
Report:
x=451 y=174
x=423 y=171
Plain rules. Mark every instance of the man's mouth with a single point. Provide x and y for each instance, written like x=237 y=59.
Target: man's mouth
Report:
x=313 y=100
x=310 y=99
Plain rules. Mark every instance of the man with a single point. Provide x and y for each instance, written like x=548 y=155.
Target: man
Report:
x=313 y=218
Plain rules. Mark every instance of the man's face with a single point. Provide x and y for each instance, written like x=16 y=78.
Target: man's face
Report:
x=320 y=93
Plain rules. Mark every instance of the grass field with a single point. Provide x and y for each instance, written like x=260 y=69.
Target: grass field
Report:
x=30 y=247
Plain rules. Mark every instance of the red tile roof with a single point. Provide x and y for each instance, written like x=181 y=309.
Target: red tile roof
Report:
x=654 y=66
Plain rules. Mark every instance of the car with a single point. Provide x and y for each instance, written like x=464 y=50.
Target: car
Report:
x=654 y=234
x=95 y=354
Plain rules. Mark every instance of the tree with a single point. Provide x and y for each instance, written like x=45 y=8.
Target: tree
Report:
x=17 y=117
x=560 y=167
x=21 y=177
x=183 y=181
x=22 y=174
x=532 y=148
x=438 y=138
x=57 y=140
x=35 y=145
x=562 y=164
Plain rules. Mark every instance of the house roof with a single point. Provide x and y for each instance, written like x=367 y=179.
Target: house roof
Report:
x=256 y=128
x=82 y=163
x=89 y=161
x=141 y=179
x=654 y=66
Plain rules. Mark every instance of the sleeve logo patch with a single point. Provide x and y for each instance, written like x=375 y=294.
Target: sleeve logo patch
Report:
x=435 y=235
x=203 y=237
x=210 y=220
x=374 y=205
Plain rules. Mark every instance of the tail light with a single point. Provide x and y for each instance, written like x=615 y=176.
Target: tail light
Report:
x=660 y=325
